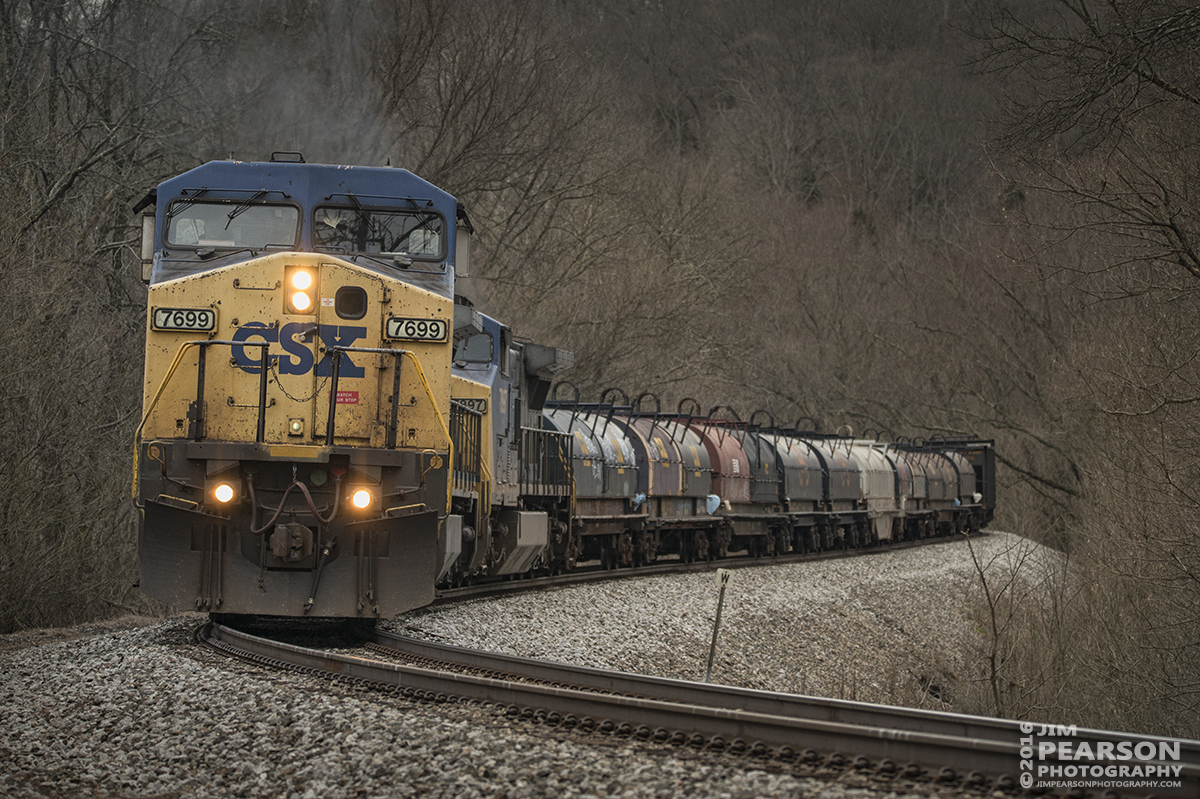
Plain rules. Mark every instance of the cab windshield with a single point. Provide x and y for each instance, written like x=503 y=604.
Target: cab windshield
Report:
x=416 y=234
x=232 y=224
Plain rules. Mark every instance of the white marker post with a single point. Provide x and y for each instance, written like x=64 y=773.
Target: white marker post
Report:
x=722 y=581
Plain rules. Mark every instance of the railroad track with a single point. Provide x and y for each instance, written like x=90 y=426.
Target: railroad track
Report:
x=589 y=572
x=975 y=752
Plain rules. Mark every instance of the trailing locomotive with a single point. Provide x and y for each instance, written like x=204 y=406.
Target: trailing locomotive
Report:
x=328 y=430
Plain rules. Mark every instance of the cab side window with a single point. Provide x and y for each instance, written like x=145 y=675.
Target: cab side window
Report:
x=476 y=349
x=505 y=366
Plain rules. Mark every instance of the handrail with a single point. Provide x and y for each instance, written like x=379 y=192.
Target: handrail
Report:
x=466 y=424
x=483 y=506
x=543 y=462
x=397 y=354
x=570 y=467
x=162 y=387
x=264 y=372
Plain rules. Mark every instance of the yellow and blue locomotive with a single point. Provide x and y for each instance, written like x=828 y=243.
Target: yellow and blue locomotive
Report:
x=299 y=451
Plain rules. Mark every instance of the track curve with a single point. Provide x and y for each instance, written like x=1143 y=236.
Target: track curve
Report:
x=918 y=744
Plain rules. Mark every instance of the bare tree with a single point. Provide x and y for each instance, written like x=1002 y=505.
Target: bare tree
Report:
x=88 y=119
x=1103 y=113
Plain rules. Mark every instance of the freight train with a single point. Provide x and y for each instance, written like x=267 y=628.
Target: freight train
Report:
x=328 y=430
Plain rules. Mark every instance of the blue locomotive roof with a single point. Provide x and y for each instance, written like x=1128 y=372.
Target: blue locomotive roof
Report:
x=301 y=188
x=308 y=184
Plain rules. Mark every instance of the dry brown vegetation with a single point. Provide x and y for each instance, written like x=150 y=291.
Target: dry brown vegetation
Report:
x=941 y=218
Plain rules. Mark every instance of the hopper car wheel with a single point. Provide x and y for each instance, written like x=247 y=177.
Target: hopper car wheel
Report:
x=627 y=552
x=608 y=555
x=783 y=540
x=646 y=551
x=719 y=542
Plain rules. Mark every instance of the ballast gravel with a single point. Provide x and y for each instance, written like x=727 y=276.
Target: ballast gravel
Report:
x=146 y=712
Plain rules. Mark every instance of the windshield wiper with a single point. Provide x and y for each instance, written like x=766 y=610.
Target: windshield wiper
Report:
x=205 y=253
x=243 y=206
x=180 y=205
x=402 y=262
x=381 y=261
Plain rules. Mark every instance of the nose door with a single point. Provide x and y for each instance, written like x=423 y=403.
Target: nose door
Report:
x=348 y=316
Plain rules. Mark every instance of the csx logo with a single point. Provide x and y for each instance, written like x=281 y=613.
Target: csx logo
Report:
x=299 y=356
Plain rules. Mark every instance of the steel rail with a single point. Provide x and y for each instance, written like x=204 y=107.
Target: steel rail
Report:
x=959 y=725
x=908 y=743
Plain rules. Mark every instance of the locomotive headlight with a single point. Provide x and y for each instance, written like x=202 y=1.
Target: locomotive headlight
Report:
x=223 y=493
x=301 y=301
x=301 y=290
x=361 y=498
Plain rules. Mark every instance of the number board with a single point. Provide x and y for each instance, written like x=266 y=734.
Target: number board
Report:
x=417 y=329
x=478 y=404
x=202 y=319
